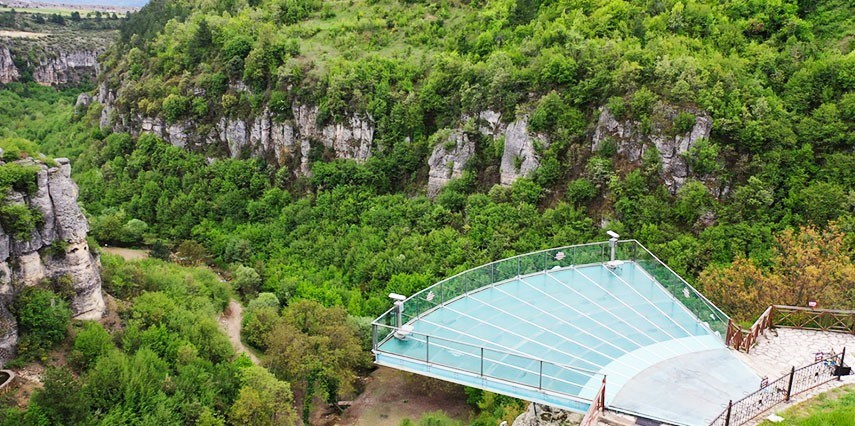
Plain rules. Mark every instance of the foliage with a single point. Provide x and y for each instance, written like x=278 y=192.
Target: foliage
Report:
x=316 y=349
x=90 y=343
x=811 y=264
x=43 y=321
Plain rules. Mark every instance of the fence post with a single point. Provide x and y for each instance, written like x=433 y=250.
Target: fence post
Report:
x=729 y=333
x=840 y=367
x=540 y=383
x=374 y=336
x=727 y=416
x=482 y=361
x=790 y=384
x=427 y=349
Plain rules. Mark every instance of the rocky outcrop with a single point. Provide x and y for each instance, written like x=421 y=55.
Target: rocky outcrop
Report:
x=8 y=70
x=448 y=159
x=64 y=68
x=519 y=158
x=57 y=248
x=285 y=142
x=544 y=415
x=631 y=141
x=50 y=68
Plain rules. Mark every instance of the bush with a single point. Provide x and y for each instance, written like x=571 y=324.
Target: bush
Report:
x=684 y=122
x=43 y=320
x=19 y=221
x=580 y=190
x=90 y=343
x=18 y=177
x=247 y=281
x=175 y=107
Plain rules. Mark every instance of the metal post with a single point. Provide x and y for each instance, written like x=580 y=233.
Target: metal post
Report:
x=482 y=361
x=399 y=310
x=540 y=384
x=840 y=367
x=727 y=417
x=790 y=384
x=427 y=349
x=374 y=336
x=612 y=243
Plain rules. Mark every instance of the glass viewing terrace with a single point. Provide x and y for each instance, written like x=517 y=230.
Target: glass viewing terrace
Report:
x=550 y=326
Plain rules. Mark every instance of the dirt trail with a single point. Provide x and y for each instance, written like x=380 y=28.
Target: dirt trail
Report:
x=126 y=253
x=230 y=321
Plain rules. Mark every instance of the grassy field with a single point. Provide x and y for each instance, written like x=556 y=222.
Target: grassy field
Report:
x=49 y=10
x=833 y=408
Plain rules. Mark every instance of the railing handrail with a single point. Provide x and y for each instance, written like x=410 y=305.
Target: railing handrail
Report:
x=722 y=316
x=543 y=390
x=808 y=309
x=597 y=406
x=432 y=286
x=743 y=339
x=530 y=358
x=702 y=297
x=762 y=408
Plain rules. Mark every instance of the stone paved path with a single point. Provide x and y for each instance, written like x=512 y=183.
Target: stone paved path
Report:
x=783 y=348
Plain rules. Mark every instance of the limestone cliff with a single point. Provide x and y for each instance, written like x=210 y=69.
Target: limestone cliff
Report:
x=631 y=140
x=26 y=262
x=519 y=158
x=8 y=70
x=58 y=67
x=63 y=68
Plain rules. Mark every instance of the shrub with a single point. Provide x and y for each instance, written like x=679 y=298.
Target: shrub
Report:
x=18 y=177
x=175 y=107
x=684 y=122
x=580 y=190
x=90 y=343
x=43 y=320
x=19 y=221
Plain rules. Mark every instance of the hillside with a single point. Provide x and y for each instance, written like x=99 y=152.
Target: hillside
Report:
x=325 y=154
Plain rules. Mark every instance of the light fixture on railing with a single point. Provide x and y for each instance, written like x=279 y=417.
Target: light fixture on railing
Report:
x=612 y=264
x=401 y=330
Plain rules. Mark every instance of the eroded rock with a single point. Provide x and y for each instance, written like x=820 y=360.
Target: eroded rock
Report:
x=27 y=262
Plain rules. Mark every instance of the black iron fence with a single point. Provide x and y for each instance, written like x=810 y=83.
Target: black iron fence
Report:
x=828 y=367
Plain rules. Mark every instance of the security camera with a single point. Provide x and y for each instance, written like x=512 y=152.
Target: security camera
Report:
x=397 y=297
x=613 y=234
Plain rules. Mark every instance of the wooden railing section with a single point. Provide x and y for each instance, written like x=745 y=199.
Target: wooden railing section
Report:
x=840 y=321
x=597 y=407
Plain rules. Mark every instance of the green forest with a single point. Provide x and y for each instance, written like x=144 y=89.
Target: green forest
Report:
x=313 y=257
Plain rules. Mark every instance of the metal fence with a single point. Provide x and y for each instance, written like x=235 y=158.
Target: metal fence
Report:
x=772 y=393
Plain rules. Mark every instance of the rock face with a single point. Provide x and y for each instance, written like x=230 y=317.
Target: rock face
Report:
x=66 y=68
x=631 y=141
x=519 y=159
x=544 y=415
x=51 y=68
x=448 y=160
x=8 y=71
x=27 y=262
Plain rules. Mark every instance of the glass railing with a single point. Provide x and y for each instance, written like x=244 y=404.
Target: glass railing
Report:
x=535 y=374
x=699 y=305
x=499 y=271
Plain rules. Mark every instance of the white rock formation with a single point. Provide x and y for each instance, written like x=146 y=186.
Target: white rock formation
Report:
x=66 y=67
x=448 y=160
x=8 y=70
x=26 y=262
x=631 y=141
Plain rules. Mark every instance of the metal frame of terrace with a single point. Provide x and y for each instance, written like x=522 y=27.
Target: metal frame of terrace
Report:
x=541 y=378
